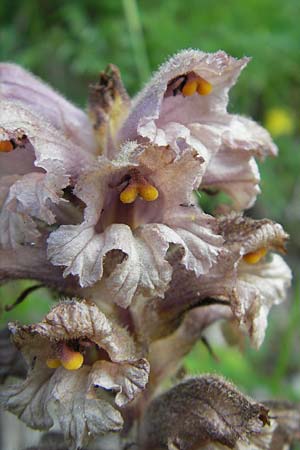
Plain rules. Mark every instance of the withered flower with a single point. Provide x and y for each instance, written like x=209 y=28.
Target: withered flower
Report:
x=82 y=369
x=204 y=413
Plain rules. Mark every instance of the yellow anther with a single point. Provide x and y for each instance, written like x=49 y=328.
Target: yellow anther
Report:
x=148 y=192
x=72 y=360
x=204 y=87
x=255 y=257
x=53 y=363
x=6 y=146
x=129 y=194
x=190 y=88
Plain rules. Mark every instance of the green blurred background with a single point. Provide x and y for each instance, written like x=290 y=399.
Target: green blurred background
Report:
x=67 y=43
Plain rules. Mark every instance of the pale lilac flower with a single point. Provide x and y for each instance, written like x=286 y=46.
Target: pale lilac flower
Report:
x=248 y=277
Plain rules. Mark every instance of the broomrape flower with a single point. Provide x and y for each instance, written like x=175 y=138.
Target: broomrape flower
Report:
x=83 y=368
x=248 y=279
x=112 y=188
x=109 y=197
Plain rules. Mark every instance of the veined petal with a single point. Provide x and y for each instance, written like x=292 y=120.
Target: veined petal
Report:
x=196 y=233
x=233 y=169
x=29 y=197
x=132 y=262
x=17 y=84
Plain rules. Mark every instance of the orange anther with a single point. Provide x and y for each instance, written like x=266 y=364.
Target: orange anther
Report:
x=255 y=257
x=6 y=146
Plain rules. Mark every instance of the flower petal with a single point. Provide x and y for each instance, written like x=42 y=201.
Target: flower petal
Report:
x=134 y=263
x=126 y=379
x=81 y=417
x=17 y=84
x=53 y=150
x=32 y=195
x=244 y=235
x=260 y=286
x=196 y=233
x=244 y=134
x=235 y=173
x=72 y=319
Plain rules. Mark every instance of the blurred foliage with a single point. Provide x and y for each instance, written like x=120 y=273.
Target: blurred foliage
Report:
x=67 y=43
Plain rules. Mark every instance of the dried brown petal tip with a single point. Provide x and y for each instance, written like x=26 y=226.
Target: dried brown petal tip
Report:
x=108 y=106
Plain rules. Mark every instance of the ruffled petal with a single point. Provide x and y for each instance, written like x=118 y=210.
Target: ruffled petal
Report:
x=242 y=133
x=17 y=84
x=127 y=380
x=130 y=261
x=29 y=197
x=196 y=233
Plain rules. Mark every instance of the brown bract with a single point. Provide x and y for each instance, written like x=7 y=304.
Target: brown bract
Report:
x=202 y=413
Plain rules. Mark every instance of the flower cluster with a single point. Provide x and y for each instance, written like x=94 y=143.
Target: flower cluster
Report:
x=102 y=207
